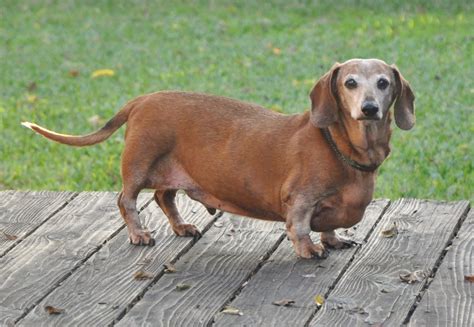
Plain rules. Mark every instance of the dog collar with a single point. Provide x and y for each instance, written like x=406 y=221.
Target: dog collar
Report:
x=345 y=159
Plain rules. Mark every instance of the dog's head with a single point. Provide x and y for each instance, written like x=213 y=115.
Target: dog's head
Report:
x=362 y=90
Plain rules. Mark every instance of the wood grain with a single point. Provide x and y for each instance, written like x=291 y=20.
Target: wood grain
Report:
x=370 y=291
x=286 y=277
x=214 y=268
x=104 y=286
x=22 y=212
x=449 y=300
x=46 y=257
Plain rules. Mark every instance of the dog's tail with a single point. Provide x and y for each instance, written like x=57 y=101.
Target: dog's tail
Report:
x=82 y=140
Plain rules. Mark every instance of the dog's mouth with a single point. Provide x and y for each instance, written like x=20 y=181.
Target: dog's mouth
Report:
x=376 y=118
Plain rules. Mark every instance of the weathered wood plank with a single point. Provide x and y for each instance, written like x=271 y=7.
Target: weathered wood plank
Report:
x=104 y=286
x=370 y=291
x=449 y=300
x=286 y=277
x=46 y=257
x=22 y=212
x=214 y=268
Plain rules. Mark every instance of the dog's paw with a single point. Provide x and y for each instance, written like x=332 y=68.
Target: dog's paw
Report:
x=188 y=230
x=142 y=238
x=334 y=241
x=306 y=249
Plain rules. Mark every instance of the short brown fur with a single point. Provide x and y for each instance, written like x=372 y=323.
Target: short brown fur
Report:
x=241 y=158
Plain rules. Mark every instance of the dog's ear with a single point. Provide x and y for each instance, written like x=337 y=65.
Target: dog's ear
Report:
x=404 y=102
x=323 y=99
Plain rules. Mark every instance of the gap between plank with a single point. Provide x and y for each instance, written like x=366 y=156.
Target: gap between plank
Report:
x=158 y=276
x=343 y=271
x=262 y=262
x=77 y=266
x=438 y=263
x=28 y=233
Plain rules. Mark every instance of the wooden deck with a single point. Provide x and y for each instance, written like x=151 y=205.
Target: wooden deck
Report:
x=70 y=251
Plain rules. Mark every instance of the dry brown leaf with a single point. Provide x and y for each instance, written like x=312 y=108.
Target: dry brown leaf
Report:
x=319 y=300
x=391 y=232
x=182 y=287
x=412 y=277
x=284 y=303
x=142 y=275
x=53 y=310
x=9 y=236
x=73 y=73
x=232 y=311
x=169 y=268
x=469 y=278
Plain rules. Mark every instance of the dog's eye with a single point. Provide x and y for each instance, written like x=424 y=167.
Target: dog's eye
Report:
x=382 y=83
x=351 y=83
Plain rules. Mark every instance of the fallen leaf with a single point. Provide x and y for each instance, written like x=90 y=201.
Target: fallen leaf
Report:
x=284 y=303
x=73 y=73
x=31 y=98
x=276 y=51
x=232 y=311
x=182 y=287
x=169 y=268
x=319 y=300
x=32 y=87
x=9 y=236
x=53 y=310
x=103 y=72
x=391 y=232
x=469 y=278
x=412 y=277
x=142 y=275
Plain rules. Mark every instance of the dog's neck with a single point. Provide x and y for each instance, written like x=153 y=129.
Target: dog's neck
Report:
x=366 y=142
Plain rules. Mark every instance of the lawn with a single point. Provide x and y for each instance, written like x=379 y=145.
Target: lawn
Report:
x=267 y=52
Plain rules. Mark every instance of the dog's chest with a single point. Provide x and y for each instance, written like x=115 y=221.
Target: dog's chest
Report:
x=358 y=192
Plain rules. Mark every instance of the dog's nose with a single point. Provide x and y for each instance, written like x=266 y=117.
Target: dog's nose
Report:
x=370 y=109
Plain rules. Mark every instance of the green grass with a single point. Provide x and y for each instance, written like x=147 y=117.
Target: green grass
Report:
x=228 y=48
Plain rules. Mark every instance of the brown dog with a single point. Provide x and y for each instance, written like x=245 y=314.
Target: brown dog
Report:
x=315 y=171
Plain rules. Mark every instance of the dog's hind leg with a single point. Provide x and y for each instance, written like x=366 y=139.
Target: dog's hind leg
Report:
x=127 y=203
x=134 y=177
x=165 y=199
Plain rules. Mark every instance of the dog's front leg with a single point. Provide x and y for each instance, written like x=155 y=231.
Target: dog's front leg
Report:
x=298 y=229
